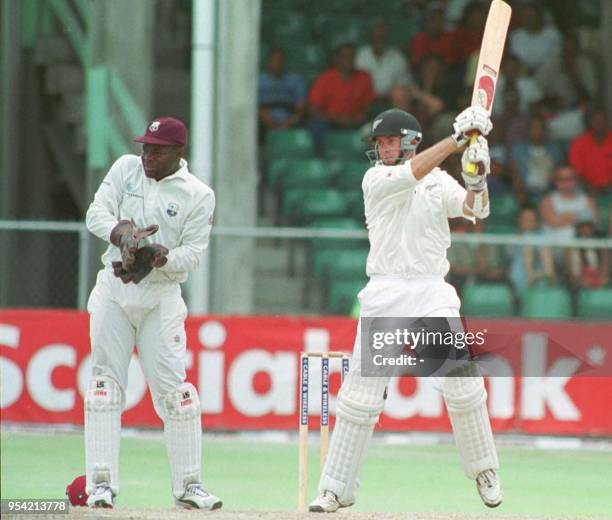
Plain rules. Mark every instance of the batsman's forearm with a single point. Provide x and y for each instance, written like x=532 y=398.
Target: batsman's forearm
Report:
x=427 y=160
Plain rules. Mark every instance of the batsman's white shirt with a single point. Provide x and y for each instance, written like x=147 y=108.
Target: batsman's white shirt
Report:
x=150 y=314
x=180 y=204
x=407 y=220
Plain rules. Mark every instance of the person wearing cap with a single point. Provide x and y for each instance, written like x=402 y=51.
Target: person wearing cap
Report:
x=153 y=197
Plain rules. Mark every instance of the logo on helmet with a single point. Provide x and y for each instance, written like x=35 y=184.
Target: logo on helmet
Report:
x=154 y=126
x=376 y=123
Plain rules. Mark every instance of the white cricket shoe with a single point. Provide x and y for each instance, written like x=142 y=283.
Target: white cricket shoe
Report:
x=327 y=502
x=489 y=488
x=195 y=497
x=102 y=496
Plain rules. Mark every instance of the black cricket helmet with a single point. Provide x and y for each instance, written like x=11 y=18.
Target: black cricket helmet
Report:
x=395 y=122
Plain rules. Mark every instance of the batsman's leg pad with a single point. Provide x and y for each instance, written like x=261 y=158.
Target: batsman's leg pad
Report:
x=183 y=434
x=360 y=402
x=103 y=405
x=466 y=400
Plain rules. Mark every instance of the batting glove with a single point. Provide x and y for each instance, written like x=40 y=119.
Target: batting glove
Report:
x=472 y=119
x=477 y=153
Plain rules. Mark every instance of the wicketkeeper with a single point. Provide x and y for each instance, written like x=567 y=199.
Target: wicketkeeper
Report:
x=156 y=217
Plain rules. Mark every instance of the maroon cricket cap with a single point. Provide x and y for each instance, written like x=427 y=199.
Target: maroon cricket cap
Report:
x=75 y=491
x=164 y=131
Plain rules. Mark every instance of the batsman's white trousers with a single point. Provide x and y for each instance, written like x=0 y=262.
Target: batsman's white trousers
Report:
x=150 y=315
x=399 y=297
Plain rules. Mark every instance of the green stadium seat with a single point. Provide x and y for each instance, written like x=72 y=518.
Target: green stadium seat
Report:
x=355 y=207
x=344 y=145
x=487 y=300
x=595 y=303
x=336 y=223
x=546 y=302
x=308 y=60
x=276 y=169
x=604 y=204
x=504 y=209
x=403 y=30
x=342 y=295
x=501 y=228
x=336 y=30
x=290 y=201
x=348 y=265
x=320 y=203
x=291 y=144
x=350 y=175
x=287 y=28
x=306 y=173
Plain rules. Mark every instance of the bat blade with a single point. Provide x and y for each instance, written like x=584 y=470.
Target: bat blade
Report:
x=489 y=60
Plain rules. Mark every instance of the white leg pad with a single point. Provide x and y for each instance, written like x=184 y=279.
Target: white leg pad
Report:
x=103 y=405
x=183 y=433
x=466 y=400
x=360 y=402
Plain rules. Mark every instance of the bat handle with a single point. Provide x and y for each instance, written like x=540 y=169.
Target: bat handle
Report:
x=471 y=168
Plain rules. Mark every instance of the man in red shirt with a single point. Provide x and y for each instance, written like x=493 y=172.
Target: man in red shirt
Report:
x=591 y=152
x=340 y=96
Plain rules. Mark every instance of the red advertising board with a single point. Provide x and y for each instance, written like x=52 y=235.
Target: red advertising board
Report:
x=246 y=371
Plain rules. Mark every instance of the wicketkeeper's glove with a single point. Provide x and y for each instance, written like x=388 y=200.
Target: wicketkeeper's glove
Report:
x=146 y=259
x=127 y=237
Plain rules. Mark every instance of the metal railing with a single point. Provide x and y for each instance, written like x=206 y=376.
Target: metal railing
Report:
x=85 y=240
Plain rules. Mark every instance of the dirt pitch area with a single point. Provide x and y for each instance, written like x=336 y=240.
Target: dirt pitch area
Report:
x=181 y=514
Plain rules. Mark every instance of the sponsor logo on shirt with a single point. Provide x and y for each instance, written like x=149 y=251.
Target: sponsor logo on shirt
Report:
x=172 y=209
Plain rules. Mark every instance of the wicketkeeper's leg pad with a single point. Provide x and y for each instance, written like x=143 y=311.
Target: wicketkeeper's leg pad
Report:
x=183 y=434
x=104 y=402
x=360 y=402
x=466 y=400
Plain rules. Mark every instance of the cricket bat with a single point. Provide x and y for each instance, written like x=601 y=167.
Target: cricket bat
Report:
x=489 y=61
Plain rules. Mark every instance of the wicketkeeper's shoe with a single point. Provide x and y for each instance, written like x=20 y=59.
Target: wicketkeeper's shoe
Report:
x=196 y=497
x=327 y=502
x=489 y=487
x=102 y=496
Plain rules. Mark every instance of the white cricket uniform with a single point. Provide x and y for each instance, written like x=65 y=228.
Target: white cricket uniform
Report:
x=408 y=230
x=409 y=234
x=150 y=314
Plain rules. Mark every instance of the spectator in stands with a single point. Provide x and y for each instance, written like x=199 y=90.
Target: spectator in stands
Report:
x=591 y=153
x=588 y=268
x=569 y=78
x=533 y=42
x=533 y=161
x=433 y=40
x=490 y=259
x=386 y=65
x=467 y=37
x=566 y=205
x=417 y=102
x=531 y=264
x=282 y=95
x=340 y=96
x=512 y=78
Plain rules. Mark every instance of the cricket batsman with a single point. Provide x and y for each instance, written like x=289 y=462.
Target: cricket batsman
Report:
x=408 y=201
x=156 y=218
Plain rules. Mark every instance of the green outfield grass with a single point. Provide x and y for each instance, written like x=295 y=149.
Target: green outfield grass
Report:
x=261 y=475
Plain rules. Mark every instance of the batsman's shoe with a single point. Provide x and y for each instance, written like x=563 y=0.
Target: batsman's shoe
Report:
x=102 y=496
x=196 y=497
x=326 y=502
x=489 y=487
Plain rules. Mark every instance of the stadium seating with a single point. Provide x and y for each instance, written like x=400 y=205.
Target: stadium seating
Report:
x=306 y=173
x=341 y=223
x=487 y=300
x=320 y=203
x=306 y=59
x=546 y=302
x=345 y=145
x=595 y=303
x=342 y=295
x=287 y=28
x=504 y=209
x=290 y=144
x=350 y=175
x=348 y=265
